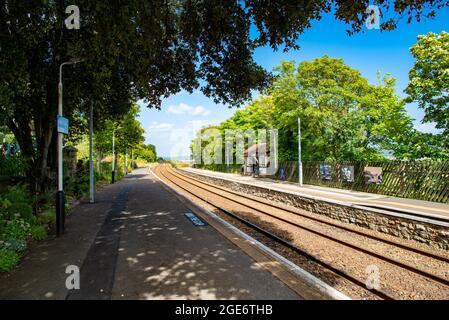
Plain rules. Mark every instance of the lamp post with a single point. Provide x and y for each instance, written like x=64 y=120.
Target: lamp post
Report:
x=299 y=153
x=91 y=158
x=113 y=155
x=60 y=215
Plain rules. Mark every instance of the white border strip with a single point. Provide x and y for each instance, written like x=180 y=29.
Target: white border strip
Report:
x=308 y=277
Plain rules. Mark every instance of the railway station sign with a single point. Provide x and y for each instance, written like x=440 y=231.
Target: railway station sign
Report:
x=63 y=125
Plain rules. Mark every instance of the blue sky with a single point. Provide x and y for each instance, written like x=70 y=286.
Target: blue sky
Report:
x=172 y=128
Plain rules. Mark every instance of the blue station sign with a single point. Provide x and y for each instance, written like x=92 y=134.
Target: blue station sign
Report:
x=63 y=125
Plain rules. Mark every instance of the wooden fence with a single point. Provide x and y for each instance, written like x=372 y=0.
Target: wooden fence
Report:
x=422 y=180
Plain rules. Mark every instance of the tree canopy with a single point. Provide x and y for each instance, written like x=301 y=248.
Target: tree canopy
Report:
x=343 y=116
x=147 y=50
x=429 y=78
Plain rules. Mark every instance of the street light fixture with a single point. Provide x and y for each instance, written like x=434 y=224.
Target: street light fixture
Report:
x=60 y=214
x=113 y=154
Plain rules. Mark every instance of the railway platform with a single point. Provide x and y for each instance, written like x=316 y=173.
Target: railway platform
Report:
x=136 y=242
x=427 y=209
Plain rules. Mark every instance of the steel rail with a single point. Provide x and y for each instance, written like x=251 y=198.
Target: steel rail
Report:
x=287 y=244
x=398 y=263
x=388 y=241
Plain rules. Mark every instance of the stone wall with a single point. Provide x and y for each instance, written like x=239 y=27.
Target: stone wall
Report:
x=434 y=235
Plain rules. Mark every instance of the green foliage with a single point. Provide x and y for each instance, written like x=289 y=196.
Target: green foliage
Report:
x=16 y=245
x=12 y=166
x=15 y=203
x=17 y=229
x=8 y=259
x=20 y=210
x=343 y=117
x=146 y=153
x=47 y=217
x=6 y=136
x=18 y=194
x=160 y=48
x=429 y=78
x=78 y=184
x=130 y=132
x=38 y=233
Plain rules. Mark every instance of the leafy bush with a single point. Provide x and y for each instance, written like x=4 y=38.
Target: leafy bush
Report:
x=20 y=210
x=8 y=259
x=47 y=217
x=17 y=229
x=45 y=200
x=38 y=233
x=4 y=204
x=16 y=245
x=16 y=203
x=12 y=166
x=18 y=194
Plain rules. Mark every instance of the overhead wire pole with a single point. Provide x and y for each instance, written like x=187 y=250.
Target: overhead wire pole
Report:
x=299 y=154
x=91 y=160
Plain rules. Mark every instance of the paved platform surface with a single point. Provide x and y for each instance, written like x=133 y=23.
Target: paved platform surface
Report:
x=136 y=243
x=426 y=208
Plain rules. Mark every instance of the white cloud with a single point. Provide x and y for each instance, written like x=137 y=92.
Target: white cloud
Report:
x=160 y=126
x=184 y=108
x=427 y=128
x=198 y=124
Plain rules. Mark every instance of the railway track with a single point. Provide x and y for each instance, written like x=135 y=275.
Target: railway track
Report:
x=264 y=207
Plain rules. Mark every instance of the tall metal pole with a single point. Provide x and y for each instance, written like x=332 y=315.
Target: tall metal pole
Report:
x=60 y=214
x=91 y=160
x=60 y=206
x=113 y=157
x=299 y=153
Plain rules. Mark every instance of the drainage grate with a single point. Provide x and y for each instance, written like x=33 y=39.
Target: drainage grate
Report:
x=195 y=220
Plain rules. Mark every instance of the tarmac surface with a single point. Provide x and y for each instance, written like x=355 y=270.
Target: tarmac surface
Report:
x=136 y=243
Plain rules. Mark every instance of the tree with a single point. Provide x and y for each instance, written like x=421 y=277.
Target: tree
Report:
x=343 y=117
x=429 y=78
x=129 y=134
x=144 y=49
x=146 y=152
